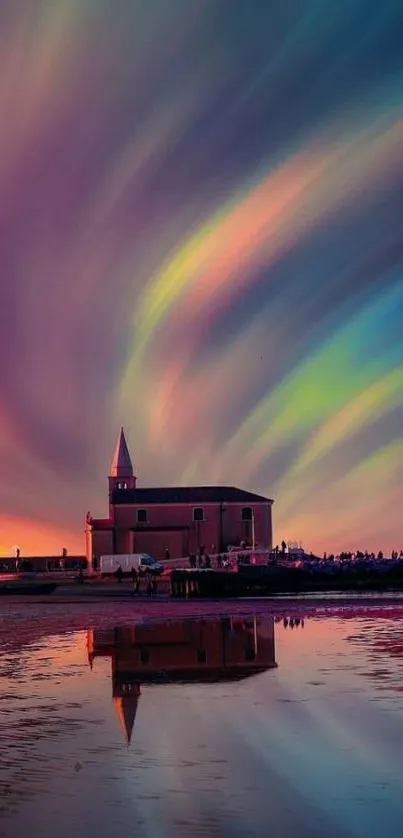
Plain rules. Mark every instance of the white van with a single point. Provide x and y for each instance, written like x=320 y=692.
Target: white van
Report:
x=128 y=562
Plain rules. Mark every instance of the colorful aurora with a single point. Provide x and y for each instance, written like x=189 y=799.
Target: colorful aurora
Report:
x=201 y=239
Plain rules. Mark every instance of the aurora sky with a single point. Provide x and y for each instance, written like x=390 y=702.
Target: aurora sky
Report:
x=201 y=239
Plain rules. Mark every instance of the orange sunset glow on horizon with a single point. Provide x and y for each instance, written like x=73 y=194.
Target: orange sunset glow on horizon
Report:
x=36 y=538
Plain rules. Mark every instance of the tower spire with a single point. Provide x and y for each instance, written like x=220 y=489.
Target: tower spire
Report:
x=126 y=709
x=121 y=474
x=121 y=465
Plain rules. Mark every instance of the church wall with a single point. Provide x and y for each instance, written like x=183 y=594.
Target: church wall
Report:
x=123 y=540
x=223 y=521
x=156 y=543
x=101 y=544
x=176 y=514
x=236 y=530
x=195 y=533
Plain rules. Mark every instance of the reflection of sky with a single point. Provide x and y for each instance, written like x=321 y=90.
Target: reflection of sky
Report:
x=201 y=238
x=313 y=746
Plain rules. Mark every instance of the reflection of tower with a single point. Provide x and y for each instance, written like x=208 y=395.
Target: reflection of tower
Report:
x=188 y=651
x=125 y=690
x=125 y=699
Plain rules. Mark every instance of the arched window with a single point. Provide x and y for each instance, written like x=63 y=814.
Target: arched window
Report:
x=141 y=516
x=122 y=485
x=198 y=513
x=247 y=513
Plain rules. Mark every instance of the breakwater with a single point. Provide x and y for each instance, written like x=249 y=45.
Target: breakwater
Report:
x=265 y=581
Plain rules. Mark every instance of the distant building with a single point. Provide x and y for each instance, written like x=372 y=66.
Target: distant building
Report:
x=177 y=519
x=180 y=650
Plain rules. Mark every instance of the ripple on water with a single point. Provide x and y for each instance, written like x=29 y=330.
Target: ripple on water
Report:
x=61 y=736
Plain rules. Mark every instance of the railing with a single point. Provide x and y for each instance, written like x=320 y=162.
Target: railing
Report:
x=231 y=556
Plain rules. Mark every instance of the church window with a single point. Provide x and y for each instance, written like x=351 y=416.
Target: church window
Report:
x=247 y=513
x=122 y=485
x=198 y=513
x=141 y=516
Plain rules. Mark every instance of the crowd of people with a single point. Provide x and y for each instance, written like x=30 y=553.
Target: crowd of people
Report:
x=141 y=581
x=234 y=557
x=346 y=556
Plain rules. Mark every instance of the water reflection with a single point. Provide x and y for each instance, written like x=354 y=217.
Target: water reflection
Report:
x=186 y=651
x=383 y=643
x=309 y=749
x=292 y=622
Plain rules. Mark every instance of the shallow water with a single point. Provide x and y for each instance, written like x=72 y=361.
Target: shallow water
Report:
x=309 y=748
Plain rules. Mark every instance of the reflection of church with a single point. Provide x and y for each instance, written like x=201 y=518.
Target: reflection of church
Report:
x=181 y=650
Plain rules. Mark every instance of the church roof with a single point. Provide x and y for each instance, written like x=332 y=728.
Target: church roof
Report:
x=187 y=494
x=121 y=465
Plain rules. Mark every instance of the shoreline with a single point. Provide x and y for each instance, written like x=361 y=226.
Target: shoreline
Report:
x=75 y=595
x=23 y=627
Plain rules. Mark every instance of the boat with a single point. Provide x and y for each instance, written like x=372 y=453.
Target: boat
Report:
x=26 y=587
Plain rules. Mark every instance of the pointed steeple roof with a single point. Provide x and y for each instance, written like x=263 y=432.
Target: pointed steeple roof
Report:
x=126 y=709
x=121 y=465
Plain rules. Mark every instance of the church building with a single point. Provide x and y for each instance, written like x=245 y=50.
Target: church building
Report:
x=178 y=519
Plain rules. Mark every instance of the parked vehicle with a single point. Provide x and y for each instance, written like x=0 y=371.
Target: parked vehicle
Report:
x=142 y=562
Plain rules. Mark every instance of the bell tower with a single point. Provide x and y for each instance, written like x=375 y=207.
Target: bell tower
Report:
x=121 y=475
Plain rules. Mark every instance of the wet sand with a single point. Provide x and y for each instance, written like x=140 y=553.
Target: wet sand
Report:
x=95 y=591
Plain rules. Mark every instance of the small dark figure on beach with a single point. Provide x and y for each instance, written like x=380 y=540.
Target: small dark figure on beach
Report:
x=136 y=580
x=149 y=586
x=167 y=554
x=80 y=576
x=119 y=574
